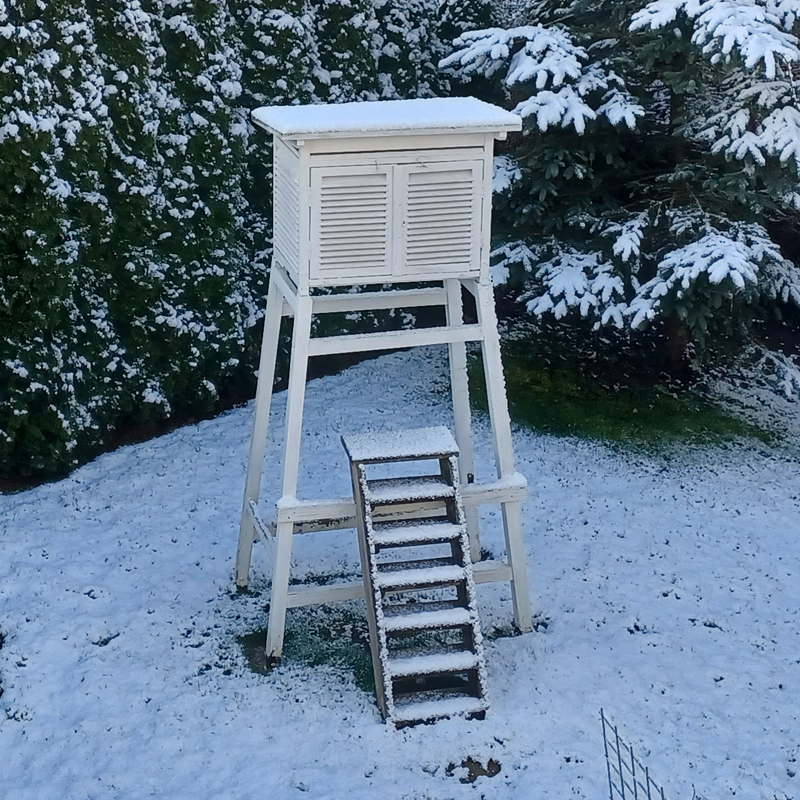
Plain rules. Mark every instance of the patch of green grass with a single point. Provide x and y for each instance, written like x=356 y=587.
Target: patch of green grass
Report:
x=558 y=397
x=316 y=637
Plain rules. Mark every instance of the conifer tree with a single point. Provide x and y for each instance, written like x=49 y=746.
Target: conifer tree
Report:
x=202 y=141
x=456 y=17
x=660 y=149
x=277 y=60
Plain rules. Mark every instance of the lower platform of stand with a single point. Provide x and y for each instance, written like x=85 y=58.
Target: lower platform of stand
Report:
x=483 y=572
x=309 y=516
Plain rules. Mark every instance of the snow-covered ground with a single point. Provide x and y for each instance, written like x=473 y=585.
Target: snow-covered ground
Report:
x=669 y=585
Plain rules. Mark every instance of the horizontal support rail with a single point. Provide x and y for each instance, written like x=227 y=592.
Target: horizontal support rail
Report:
x=316 y=595
x=339 y=513
x=392 y=340
x=372 y=301
x=483 y=572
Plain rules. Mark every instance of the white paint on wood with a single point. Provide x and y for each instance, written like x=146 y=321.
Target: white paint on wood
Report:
x=384 y=193
x=286 y=205
x=258 y=439
x=392 y=340
x=372 y=301
x=340 y=512
x=279 y=595
x=351 y=224
x=384 y=118
x=459 y=386
x=440 y=209
x=483 y=572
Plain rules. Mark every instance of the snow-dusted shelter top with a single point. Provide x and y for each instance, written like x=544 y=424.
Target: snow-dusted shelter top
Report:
x=383 y=192
x=405 y=117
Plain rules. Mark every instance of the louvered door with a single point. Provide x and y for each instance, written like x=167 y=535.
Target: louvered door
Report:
x=441 y=218
x=351 y=224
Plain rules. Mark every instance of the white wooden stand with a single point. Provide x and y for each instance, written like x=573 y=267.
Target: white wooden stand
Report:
x=381 y=193
x=295 y=516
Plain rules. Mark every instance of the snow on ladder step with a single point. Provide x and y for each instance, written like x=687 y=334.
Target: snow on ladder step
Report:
x=400 y=445
x=429 y=576
x=386 y=534
x=437 y=709
x=428 y=620
x=432 y=664
x=408 y=490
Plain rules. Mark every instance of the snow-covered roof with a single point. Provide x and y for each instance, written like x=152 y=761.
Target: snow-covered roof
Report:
x=383 y=118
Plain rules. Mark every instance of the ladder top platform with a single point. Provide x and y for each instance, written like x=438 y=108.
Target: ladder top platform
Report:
x=386 y=118
x=403 y=445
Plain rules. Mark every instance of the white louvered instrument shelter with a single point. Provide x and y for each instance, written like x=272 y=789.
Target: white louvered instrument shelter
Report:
x=385 y=192
x=382 y=193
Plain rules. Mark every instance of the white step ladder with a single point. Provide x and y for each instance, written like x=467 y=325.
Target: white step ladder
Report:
x=425 y=636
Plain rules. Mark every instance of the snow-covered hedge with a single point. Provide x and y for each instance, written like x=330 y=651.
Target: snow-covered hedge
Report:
x=135 y=199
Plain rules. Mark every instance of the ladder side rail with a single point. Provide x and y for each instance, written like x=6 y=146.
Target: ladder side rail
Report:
x=470 y=599
x=371 y=593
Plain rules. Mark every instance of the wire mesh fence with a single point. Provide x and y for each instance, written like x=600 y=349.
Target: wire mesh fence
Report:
x=628 y=778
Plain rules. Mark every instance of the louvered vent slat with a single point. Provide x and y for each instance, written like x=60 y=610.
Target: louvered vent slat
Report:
x=352 y=223
x=442 y=218
x=395 y=221
x=286 y=202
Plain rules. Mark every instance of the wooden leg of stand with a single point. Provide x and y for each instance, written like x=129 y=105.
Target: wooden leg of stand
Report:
x=295 y=399
x=459 y=383
x=504 y=454
x=258 y=442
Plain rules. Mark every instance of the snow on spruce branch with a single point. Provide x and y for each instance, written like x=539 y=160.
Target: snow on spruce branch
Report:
x=580 y=281
x=741 y=262
x=628 y=236
x=513 y=256
x=759 y=31
x=567 y=88
x=739 y=135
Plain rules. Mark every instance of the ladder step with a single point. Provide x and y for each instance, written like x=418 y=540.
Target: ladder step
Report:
x=427 y=620
x=387 y=534
x=415 y=444
x=408 y=490
x=432 y=664
x=428 y=576
x=437 y=709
